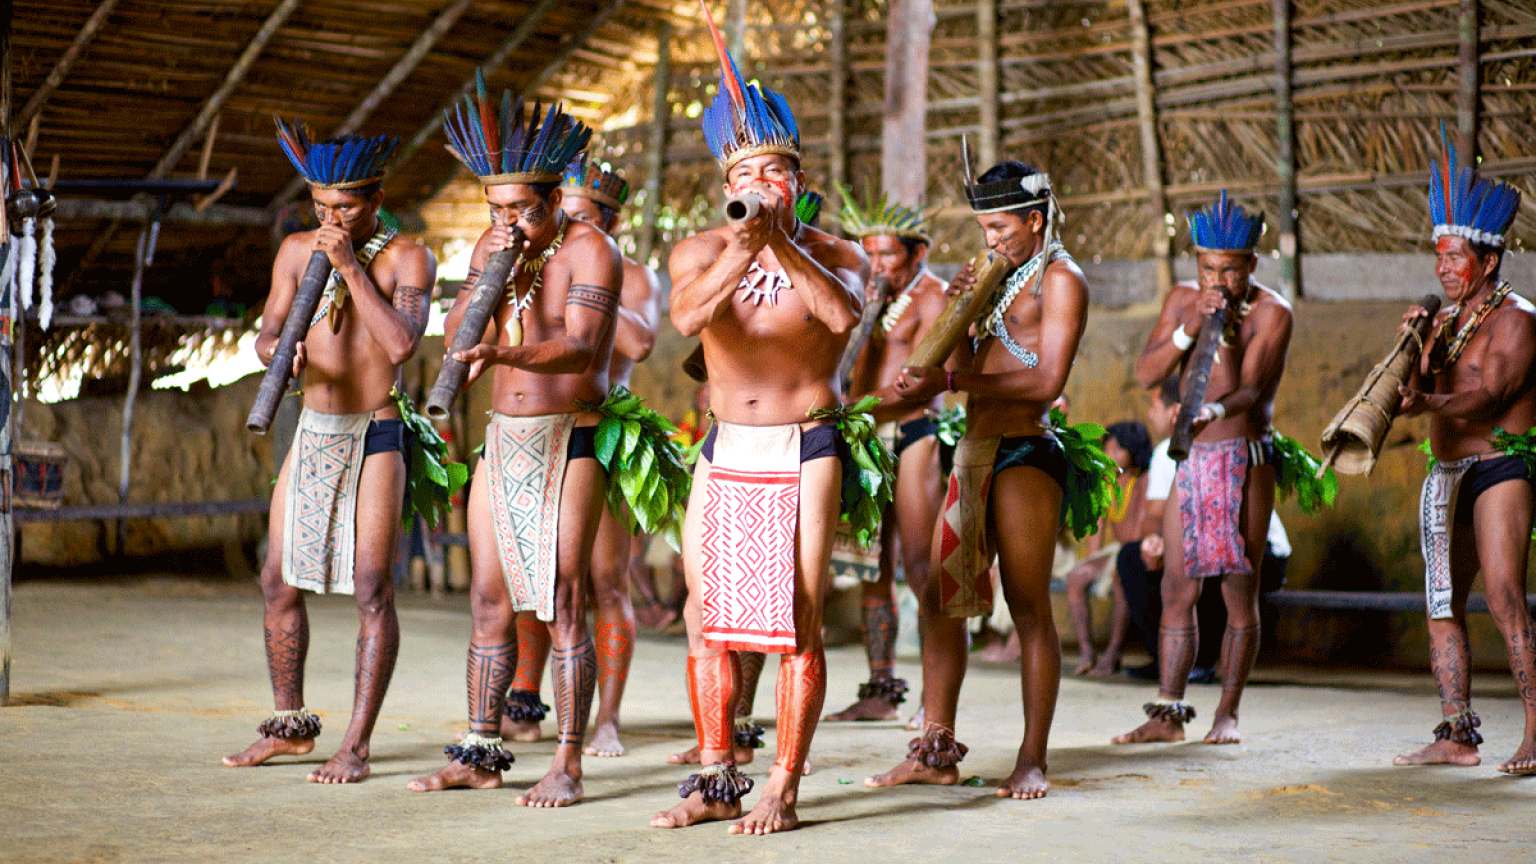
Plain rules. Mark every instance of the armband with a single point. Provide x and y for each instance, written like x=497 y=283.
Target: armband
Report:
x=1182 y=340
x=1216 y=408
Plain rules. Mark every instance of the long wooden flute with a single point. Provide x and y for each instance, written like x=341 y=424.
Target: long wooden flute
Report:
x=1195 y=382
x=488 y=293
x=961 y=311
x=275 y=382
x=860 y=336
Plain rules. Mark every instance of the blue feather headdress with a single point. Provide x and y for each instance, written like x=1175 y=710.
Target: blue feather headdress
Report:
x=1466 y=205
x=1225 y=227
x=746 y=120
x=345 y=162
x=503 y=149
x=597 y=182
x=881 y=218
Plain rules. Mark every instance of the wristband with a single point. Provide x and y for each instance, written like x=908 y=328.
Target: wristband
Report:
x=1182 y=340
x=1215 y=408
x=951 y=381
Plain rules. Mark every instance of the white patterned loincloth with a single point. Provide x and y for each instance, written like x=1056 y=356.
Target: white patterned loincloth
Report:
x=751 y=518
x=325 y=466
x=1437 y=506
x=526 y=459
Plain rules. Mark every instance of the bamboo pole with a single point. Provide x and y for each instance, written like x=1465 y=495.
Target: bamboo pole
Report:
x=986 y=83
x=656 y=143
x=1285 y=159
x=903 y=147
x=1151 y=146
x=837 y=104
x=1467 y=81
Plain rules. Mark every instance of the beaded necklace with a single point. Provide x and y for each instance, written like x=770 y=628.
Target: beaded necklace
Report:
x=1443 y=356
x=535 y=266
x=898 y=307
x=994 y=322
x=334 y=300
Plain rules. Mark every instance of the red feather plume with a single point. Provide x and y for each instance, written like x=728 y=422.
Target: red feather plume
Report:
x=727 y=67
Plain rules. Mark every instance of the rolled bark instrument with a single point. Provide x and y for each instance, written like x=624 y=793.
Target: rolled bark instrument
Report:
x=275 y=382
x=1352 y=441
x=743 y=207
x=1195 y=381
x=860 y=336
x=961 y=311
x=489 y=290
x=693 y=364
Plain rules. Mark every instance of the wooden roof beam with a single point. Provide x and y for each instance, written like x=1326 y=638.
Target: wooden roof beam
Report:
x=386 y=86
x=61 y=68
x=492 y=63
x=572 y=43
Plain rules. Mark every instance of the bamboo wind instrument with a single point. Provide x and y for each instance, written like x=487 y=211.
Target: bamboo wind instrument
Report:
x=489 y=291
x=306 y=300
x=961 y=311
x=1352 y=441
x=867 y=321
x=1196 y=379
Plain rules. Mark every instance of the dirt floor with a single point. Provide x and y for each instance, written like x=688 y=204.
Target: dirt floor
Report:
x=125 y=695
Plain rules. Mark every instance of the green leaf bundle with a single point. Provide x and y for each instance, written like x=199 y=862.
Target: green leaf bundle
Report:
x=870 y=486
x=431 y=478
x=1296 y=473
x=1091 y=489
x=648 y=477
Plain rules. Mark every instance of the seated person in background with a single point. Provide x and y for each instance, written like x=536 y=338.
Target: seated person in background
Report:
x=1129 y=444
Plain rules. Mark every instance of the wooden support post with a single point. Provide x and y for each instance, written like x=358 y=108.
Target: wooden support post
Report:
x=1285 y=160
x=903 y=140
x=136 y=371
x=736 y=32
x=987 y=140
x=656 y=143
x=1151 y=145
x=1467 y=82
x=837 y=104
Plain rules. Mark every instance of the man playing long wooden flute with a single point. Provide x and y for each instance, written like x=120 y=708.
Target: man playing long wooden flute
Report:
x=1015 y=476
x=336 y=507
x=896 y=241
x=538 y=492
x=772 y=301
x=1475 y=381
x=1224 y=491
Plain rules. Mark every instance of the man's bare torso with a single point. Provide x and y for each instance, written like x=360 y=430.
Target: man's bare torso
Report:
x=637 y=282
x=886 y=353
x=1454 y=438
x=770 y=363
x=1227 y=368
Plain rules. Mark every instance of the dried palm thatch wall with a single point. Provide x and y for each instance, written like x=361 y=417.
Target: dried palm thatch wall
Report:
x=1371 y=83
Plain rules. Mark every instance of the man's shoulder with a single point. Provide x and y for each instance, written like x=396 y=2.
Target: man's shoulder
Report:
x=1516 y=315
x=402 y=248
x=829 y=249
x=1269 y=303
x=704 y=242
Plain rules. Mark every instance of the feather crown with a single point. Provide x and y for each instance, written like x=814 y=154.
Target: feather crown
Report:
x=1225 y=227
x=501 y=148
x=746 y=120
x=598 y=182
x=1000 y=196
x=344 y=162
x=1463 y=204
x=881 y=218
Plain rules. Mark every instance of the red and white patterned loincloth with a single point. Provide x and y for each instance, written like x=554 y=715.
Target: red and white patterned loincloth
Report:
x=1210 y=489
x=320 y=503
x=526 y=458
x=965 y=550
x=748 y=552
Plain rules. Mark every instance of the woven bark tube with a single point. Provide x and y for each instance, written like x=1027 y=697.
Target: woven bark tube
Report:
x=275 y=382
x=961 y=311
x=482 y=305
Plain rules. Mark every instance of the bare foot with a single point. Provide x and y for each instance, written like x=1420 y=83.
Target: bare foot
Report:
x=655 y=617
x=1104 y=667
x=1152 y=730
x=456 y=775
x=266 y=748
x=526 y=731
x=771 y=815
x=1523 y=763
x=742 y=755
x=557 y=789
x=1441 y=753
x=344 y=767
x=916 y=723
x=605 y=741
x=913 y=771
x=693 y=810
x=1006 y=651
x=1085 y=666
x=871 y=708
x=1026 y=782
x=1224 y=731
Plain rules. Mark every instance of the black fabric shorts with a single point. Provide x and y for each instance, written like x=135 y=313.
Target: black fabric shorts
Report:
x=1035 y=451
x=1484 y=475
x=817 y=442
x=582 y=443
x=384 y=436
x=913 y=431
